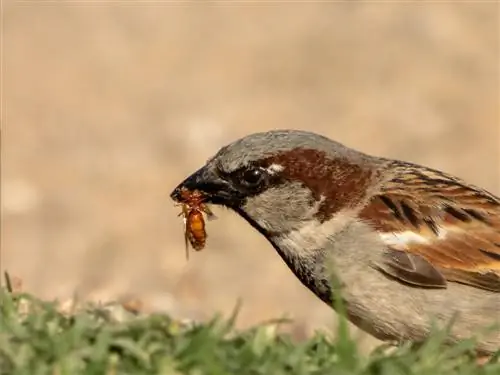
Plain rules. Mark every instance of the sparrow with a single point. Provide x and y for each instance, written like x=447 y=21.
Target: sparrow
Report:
x=406 y=248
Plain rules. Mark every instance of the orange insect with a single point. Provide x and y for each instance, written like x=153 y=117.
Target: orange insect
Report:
x=194 y=222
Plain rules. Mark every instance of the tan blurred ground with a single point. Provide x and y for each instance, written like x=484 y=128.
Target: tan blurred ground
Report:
x=107 y=106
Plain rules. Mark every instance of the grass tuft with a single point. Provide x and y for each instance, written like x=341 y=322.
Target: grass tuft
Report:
x=36 y=338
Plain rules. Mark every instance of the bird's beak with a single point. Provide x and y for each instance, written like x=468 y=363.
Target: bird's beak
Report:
x=213 y=188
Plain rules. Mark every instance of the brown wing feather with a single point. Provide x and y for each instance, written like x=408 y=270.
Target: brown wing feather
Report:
x=453 y=226
x=410 y=268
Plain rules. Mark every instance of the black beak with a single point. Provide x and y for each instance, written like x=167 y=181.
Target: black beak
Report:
x=214 y=189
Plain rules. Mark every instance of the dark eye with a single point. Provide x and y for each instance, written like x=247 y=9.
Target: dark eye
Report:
x=252 y=176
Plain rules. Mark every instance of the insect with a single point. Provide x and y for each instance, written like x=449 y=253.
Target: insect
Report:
x=194 y=222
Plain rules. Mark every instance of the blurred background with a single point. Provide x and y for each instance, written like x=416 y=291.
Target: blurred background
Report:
x=107 y=106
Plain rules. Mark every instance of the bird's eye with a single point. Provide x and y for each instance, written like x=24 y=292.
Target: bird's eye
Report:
x=252 y=177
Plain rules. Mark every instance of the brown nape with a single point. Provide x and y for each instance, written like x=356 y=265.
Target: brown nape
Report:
x=340 y=182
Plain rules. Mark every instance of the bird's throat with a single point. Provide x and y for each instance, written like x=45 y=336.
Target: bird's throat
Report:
x=310 y=270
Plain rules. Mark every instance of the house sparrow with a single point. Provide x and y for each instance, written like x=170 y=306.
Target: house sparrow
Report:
x=410 y=246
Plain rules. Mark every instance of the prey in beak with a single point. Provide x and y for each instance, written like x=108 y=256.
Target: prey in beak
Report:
x=193 y=208
x=194 y=194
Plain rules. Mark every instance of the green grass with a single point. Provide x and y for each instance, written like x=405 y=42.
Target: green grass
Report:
x=35 y=339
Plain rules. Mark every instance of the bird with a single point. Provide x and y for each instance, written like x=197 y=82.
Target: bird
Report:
x=404 y=247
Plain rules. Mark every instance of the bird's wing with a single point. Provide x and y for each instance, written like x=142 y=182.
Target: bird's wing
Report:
x=437 y=228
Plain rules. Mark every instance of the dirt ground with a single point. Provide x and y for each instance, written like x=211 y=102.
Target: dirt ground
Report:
x=108 y=105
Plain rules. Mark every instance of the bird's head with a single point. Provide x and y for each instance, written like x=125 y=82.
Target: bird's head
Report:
x=280 y=180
